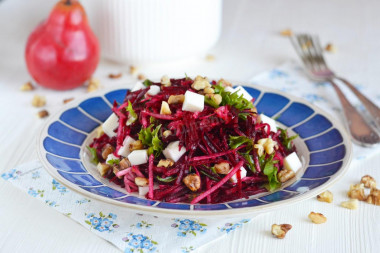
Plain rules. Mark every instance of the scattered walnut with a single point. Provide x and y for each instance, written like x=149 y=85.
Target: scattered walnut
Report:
x=167 y=133
x=38 y=101
x=165 y=163
x=165 y=109
x=286 y=32
x=330 y=48
x=165 y=81
x=141 y=77
x=351 y=204
x=285 y=175
x=280 y=230
x=192 y=181
x=136 y=145
x=116 y=168
x=254 y=110
x=209 y=90
x=317 y=218
x=222 y=168
x=103 y=168
x=368 y=181
x=115 y=76
x=374 y=197
x=210 y=57
x=27 y=87
x=141 y=181
x=215 y=97
x=42 y=114
x=133 y=70
x=176 y=99
x=65 y=101
x=124 y=164
x=356 y=192
x=107 y=149
x=200 y=83
x=224 y=83
x=93 y=85
x=326 y=196
x=99 y=131
x=266 y=144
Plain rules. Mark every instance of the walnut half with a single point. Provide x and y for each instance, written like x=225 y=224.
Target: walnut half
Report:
x=192 y=181
x=280 y=230
x=285 y=175
x=356 y=192
x=374 y=197
x=368 y=181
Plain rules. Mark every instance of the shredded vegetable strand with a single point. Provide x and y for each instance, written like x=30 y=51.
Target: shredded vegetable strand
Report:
x=150 y=193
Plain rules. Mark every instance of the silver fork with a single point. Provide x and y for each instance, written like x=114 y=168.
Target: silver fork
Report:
x=309 y=49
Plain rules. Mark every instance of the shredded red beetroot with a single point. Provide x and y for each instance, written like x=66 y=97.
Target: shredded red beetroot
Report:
x=224 y=133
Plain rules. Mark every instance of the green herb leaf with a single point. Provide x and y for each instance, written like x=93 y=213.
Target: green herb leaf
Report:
x=150 y=138
x=232 y=99
x=94 y=156
x=287 y=141
x=271 y=172
x=211 y=102
x=113 y=162
x=208 y=175
x=166 y=179
x=250 y=162
x=132 y=116
x=147 y=83
x=237 y=141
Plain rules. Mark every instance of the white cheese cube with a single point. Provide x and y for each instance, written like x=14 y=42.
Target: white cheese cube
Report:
x=229 y=89
x=110 y=124
x=143 y=190
x=271 y=122
x=194 y=102
x=111 y=157
x=124 y=150
x=241 y=91
x=138 y=157
x=138 y=86
x=173 y=152
x=243 y=174
x=292 y=162
x=154 y=90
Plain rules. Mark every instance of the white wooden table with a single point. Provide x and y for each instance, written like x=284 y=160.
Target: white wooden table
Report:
x=249 y=44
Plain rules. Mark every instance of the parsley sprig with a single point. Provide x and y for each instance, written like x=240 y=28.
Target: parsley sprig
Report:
x=228 y=98
x=151 y=139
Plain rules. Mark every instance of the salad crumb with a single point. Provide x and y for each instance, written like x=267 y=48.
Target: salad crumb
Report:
x=43 y=114
x=38 y=101
x=27 y=87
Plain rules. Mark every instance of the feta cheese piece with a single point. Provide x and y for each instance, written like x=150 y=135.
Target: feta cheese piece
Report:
x=154 y=90
x=110 y=124
x=241 y=91
x=193 y=102
x=138 y=86
x=173 y=152
x=138 y=157
x=243 y=174
x=292 y=162
x=229 y=89
x=124 y=150
x=143 y=190
x=111 y=157
x=271 y=122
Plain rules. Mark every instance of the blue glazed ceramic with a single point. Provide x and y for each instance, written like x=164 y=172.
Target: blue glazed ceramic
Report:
x=323 y=147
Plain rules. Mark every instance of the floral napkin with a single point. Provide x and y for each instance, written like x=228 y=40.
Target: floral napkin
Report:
x=134 y=232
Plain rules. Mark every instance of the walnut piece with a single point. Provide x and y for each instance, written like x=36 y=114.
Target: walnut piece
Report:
x=210 y=57
x=317 y=218
x=330 y=48
x=66 y=100
x=124 y=164
x=136 y=145
x=27 y=86
x=165 y=163
x=368 y=181
x=200 y=83
x=42 y=114
x=374 y=197
x=176 y=99
x=222 y=168
x=133 y=70
x=38 y=101
x=99 y=131
x=266 y=144
x=224 y=83
x=215 y=97
x=93 y=85
x=326 y=196
x=350 y=204
x=209 y=90
x=103 y=168
x=356 y=192
x=165 y=81
x=107 y=149
x=115 y=76
x=141 y=181
x=285 y=175
x=192 y=181
x=286 y=32
x=167 y=133
x=141 y=77
x=280 y=230
x=165 y=109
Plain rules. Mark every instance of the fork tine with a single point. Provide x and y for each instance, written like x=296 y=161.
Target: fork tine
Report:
x=319 y=51
x=297 y=44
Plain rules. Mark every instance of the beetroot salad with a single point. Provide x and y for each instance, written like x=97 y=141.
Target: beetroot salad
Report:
x=193 y=141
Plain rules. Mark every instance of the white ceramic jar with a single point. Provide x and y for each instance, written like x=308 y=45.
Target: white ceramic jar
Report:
x=154 y=31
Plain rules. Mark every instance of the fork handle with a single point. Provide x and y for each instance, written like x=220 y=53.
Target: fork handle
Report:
x=360 y=130
x=371 y=107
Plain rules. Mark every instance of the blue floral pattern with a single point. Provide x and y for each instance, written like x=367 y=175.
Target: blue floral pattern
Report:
x=57 y=186
x=36 y=193
x=187 y=226
x=142 y=224
x=12 y=174
x=139 y=243
x=187 y=249
x=36 y=174
x=102 y=222
x=83 y=201
x=228 y=227
x=51 y=203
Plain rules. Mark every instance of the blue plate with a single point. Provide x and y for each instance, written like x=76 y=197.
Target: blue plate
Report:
x=323 y=147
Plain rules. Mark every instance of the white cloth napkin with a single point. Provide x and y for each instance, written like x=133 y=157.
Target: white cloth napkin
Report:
x=132 y=232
